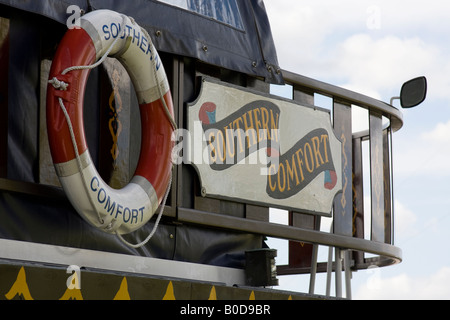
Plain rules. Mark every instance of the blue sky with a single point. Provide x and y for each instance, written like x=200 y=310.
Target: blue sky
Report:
x=372 y=47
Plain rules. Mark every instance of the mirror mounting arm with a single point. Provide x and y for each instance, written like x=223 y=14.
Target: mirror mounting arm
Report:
x=392 y=100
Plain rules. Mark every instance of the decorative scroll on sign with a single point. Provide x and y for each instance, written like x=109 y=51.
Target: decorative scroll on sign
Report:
x=263 y=150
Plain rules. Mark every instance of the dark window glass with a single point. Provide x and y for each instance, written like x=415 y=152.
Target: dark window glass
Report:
x=225 y=11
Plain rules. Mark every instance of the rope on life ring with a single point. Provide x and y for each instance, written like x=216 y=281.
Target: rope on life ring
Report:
x=106 y=33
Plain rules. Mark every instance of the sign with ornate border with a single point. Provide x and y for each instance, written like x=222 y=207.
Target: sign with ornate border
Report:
x=262 y=149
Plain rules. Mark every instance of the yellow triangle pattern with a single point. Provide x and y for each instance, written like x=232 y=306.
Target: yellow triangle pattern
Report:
x=21 y=290
x=123 y=293
x=170 y=295
x=212 y=294
x=72 y=294
x=20 y=287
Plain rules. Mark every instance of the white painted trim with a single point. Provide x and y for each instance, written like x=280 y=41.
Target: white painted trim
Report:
x=65 y=256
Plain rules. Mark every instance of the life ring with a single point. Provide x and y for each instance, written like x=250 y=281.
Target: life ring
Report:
x=113 y=211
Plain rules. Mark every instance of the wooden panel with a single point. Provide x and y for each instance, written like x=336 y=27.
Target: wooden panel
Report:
x=358 y=197
x=300 y=253
x=387 y=188
x=257 y=213
x=115 y=124
x=343 y=204
x=358 y=191
x=231 y=208
x=303 y=95
x=377 y=177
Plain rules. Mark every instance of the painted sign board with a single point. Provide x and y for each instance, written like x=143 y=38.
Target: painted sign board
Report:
x=262 y=149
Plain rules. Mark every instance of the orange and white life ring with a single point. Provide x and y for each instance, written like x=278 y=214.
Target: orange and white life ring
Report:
x=113 y=211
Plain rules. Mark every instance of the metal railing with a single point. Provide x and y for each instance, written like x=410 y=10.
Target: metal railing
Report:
x=347 y=235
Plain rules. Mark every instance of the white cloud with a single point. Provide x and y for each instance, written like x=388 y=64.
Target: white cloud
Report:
x=404 y=287
x=328 y=41
x=440 y=134
x=382 y=64
x=301 y=30
x=404 y=224
x=405 y=221
x=424 y=155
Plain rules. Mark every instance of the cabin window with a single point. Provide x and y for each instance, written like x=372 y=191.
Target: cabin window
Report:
x=225 y=11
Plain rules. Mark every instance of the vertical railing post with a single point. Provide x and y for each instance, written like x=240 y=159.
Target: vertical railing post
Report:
x=358 y=197
x=343 y=204
x=377 y=177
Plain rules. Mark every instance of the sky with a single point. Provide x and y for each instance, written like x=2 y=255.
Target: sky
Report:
x=373 y=47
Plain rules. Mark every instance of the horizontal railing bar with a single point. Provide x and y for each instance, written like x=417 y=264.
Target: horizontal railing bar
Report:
x=392 y=113
x=186 y=215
